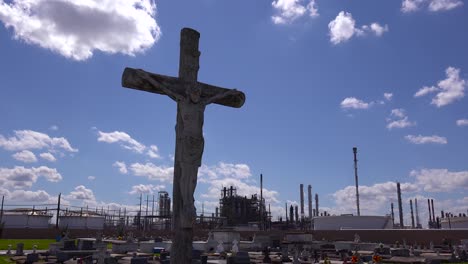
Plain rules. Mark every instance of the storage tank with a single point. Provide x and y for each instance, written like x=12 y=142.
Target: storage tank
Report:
x=81 y=222
x=25 y=220
x=343 y=222
x=454 y=222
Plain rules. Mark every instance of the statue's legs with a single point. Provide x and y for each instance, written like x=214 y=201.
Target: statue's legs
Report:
x=187 y=184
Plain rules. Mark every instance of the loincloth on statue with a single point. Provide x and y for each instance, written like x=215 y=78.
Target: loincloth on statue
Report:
x=191 y=150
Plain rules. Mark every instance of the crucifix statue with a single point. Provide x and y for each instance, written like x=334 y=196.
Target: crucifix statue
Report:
x=192 y=97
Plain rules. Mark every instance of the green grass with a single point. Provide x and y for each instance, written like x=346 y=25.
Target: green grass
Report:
x=28 y=244
x=5 y=260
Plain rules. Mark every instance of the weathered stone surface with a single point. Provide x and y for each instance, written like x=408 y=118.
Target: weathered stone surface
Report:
x=192 y=97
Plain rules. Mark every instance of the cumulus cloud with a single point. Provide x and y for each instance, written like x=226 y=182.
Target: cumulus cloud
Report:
x=148 y=188
x=240 y=171
x=28 y=139
x=440 y=180
x=448 y=90
x=81 y=193
x=121 y=166
x=343 y=28
x=47 y=156
x=153 y=152
x=426 y=139
x=25 y=156
x=408 y=6
x=124 y=139
x=152 y=171
x=354 y=103
x=127 y=142
x=443 y=5
x=76 y=29
x=20 y=177
x=388 y=96
x=25 y=195
x=462 y=122
x=290 y=10
x=398 y=119
x=372 y=198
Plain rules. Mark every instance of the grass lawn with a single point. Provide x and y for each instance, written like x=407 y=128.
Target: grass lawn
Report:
x=28 y=244
x=5 y=260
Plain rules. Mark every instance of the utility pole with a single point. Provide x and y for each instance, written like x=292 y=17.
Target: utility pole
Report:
x=58 y=211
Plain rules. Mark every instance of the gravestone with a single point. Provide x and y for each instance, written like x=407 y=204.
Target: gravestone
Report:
x=19 y=249
x=192 y=97
x=284 y=254
x=242 y=257
x=139 y=260
x=31 y=258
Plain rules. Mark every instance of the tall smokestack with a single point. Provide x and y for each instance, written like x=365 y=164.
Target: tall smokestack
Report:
x=291 y=214
x=316 y=205
x=356 y=179
x=417 y=213
x=286 y=211
x=433 y=214
x=400 y=205
x=393 y=215
x=309 y=196
x=296 y=210
x=301 y=187
x=412 y=215
x=261 y=201
x=429 y=206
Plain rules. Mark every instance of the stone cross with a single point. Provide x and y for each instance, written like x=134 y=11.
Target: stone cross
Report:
x=192 y=97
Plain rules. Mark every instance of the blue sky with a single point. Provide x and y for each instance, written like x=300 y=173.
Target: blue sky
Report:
x=320 y=77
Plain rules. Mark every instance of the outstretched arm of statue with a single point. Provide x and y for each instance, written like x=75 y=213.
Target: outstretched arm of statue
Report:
x=220 y=96
x=155 y=83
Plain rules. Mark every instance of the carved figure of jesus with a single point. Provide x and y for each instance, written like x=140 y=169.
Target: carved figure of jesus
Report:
x=189 y=137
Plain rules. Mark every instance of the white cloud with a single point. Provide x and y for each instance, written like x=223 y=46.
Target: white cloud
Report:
x=410 y=5
x=125 y=140
x=433 y=5
x=426 y=139
x=81 y=193
x=343 y=28
x=462 y=122
x=19 y=176
x=378 y=29
x=153 y=152
x=388 y=96
x=25 y=196
x=152 y=171
x=25 y=156
x=121 y=166
x=425 y=90
x=148 y=188
x=75 y=29
x=448 y=90
x=47 y=156
x=372 y=198
x=290 y=10
x=28 y=139
x=440 y=180
x=443 y=5
x=239 y=171
x=399 y=119
x=91 y=178
x=354 y=103
x=53 y=128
